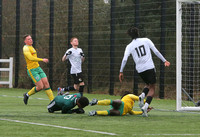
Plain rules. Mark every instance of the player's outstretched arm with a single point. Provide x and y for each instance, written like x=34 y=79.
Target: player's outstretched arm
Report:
x=135 y=112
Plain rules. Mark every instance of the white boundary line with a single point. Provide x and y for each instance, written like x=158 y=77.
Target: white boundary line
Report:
x=47 y=125
x=167 y=134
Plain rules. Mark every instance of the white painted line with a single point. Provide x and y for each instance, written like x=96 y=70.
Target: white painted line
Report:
x=23 y=97
x=47 y=125
x=167 y=134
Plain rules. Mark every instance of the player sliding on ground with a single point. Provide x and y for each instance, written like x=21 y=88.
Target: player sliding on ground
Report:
x=140 y=49
x=67 y=102
x=118 y=107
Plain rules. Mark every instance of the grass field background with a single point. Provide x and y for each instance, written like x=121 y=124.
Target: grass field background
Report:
x=33 y=120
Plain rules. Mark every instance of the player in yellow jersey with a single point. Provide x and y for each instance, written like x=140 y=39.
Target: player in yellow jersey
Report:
x=118 y=107
x=34 y=70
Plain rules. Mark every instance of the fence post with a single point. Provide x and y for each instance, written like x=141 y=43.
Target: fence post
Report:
x=17 y=55
x=90 y=43
x=10 y=72
x=162 y=49
x=0 y=29
x=70 y=19
x=112 y=48
x=137 y=20
x=51 y=30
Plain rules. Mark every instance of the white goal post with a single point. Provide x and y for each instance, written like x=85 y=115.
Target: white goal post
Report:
x=187 y=55
x=6 y=80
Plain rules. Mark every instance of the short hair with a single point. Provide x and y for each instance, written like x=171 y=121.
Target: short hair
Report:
x=83 y=101
x=73 y=39
x=24 y=37
x=133 y=32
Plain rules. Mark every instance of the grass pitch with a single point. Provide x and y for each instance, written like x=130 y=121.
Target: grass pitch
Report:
x=33 y=120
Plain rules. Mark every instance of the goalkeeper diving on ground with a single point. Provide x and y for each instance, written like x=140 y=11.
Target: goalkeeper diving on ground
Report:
x=67 y=102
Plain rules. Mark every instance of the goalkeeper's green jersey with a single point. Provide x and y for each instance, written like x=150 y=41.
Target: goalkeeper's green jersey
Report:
x=64 y=102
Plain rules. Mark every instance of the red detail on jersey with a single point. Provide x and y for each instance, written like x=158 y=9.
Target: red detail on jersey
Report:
x=74 y=95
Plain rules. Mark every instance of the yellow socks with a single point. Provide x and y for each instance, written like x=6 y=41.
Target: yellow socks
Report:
x=49 y=93
x=103 y=113
x=32 y=91
x=105 y=102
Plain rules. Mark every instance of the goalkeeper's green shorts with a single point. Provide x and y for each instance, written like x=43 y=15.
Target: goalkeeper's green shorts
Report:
x=121 y=108
x=36 y=74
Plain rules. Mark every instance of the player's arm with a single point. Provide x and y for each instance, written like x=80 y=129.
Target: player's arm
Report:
x=65 y=57
x=28 y=54
x=123 y=64
x=158 y=54
x=66 y=110
x=135 y=112
x=82 y=56
x=140 y=112
x=135 y=98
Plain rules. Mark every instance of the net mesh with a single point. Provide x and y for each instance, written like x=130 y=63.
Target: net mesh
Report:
x=190 y=52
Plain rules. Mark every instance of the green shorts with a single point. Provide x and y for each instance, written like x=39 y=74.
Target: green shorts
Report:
x=36 y=74
x=121 y=108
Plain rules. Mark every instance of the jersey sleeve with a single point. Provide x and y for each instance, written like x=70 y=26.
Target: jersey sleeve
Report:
x=125 y=58
x=134 y=97
x=156 y=52
x=135 y=112
x=28 y=54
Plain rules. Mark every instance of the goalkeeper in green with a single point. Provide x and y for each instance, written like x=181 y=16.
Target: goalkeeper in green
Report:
x=67 y=102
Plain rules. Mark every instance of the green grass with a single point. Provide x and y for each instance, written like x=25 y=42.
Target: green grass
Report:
x=162 y=121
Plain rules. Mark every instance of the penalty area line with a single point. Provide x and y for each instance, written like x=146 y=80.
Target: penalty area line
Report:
x=47 y=125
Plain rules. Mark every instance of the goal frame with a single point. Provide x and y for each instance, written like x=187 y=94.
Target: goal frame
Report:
x=179 y=89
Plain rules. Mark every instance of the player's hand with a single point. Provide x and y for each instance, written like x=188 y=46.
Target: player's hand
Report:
x=149 y=109
x=82 y=54
x=69 y=53
x=45 y=60
x=167 y=63
x=121 y=77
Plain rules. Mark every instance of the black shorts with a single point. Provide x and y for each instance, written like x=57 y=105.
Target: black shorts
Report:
x=148 y=76
x=78 y=78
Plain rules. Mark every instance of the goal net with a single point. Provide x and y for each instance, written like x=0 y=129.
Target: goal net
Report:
x=187 y=55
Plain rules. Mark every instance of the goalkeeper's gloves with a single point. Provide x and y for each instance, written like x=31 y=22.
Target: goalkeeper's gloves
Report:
x=69 y=53
x=82 y=54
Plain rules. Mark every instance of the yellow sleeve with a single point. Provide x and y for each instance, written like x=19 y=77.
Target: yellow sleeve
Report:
x=135 y=98
x=28 y=54
x=135 y=112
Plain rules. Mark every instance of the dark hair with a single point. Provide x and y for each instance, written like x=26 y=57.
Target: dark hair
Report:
x=83 y=101
x=125 y=93
x=133 y=32
x=24 y=37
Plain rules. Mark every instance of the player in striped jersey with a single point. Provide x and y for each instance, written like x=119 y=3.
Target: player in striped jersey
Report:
x=118 y=107
x=140 y=49
x=34 y=70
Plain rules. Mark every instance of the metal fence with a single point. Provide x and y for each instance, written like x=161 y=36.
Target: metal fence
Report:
x=101 y=28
